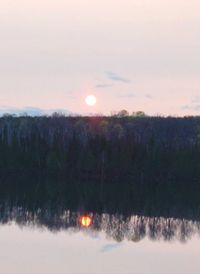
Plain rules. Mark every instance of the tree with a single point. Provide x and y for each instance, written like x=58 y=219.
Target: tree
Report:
x=139 y=114
x=123 y=113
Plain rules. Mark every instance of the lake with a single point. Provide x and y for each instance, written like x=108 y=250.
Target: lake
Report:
x=45 y=243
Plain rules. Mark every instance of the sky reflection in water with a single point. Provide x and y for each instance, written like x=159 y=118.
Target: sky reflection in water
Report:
x=36 y=250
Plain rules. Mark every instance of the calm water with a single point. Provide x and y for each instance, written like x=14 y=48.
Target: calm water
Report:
x=113 y=245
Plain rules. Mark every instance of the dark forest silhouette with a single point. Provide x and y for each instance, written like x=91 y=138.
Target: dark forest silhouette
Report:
x=129 y=165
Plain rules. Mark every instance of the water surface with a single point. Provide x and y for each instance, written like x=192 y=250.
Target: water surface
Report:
x=35 y=249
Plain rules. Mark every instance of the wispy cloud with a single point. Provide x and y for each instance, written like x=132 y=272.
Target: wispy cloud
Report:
x=32 y=111
x=148 y=96
x=103 y=85
x=115 y=77
x=196 y=99
x=194 y=104
x=191 y=107
x=110 y=247
x=133 y=95
x=128 y=95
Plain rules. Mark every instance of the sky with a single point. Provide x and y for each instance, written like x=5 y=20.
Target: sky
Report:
x=35 y=251
x=131 y=54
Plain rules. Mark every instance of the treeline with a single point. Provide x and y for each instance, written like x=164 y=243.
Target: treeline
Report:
x=128 y=163
x=116 y=226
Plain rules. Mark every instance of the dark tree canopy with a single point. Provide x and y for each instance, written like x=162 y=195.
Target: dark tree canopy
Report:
x=128 y=164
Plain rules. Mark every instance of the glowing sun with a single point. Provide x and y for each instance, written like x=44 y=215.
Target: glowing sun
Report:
x=86 y=221
x=90 y=100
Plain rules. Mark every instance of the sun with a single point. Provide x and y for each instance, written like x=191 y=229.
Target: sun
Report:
x=90 y=100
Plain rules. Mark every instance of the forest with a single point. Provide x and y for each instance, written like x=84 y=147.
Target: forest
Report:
x=120 y=163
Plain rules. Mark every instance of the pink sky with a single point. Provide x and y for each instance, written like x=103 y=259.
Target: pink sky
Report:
x=134 y=55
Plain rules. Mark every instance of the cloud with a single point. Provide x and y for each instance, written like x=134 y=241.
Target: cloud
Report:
x=110 y=247
x=103 y=85
x=32 y=111
x=196 y=99
x=191 y=107
x=129 y=95
x=148 y=96
x=115 y=77
x=194 y=104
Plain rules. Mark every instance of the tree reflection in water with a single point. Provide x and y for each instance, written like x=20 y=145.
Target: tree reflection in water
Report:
x=118 y=227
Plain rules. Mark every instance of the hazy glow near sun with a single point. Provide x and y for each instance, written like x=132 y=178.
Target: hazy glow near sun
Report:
x=90 y=100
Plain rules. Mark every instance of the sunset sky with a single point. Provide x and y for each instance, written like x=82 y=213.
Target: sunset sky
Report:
x=134 y=55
